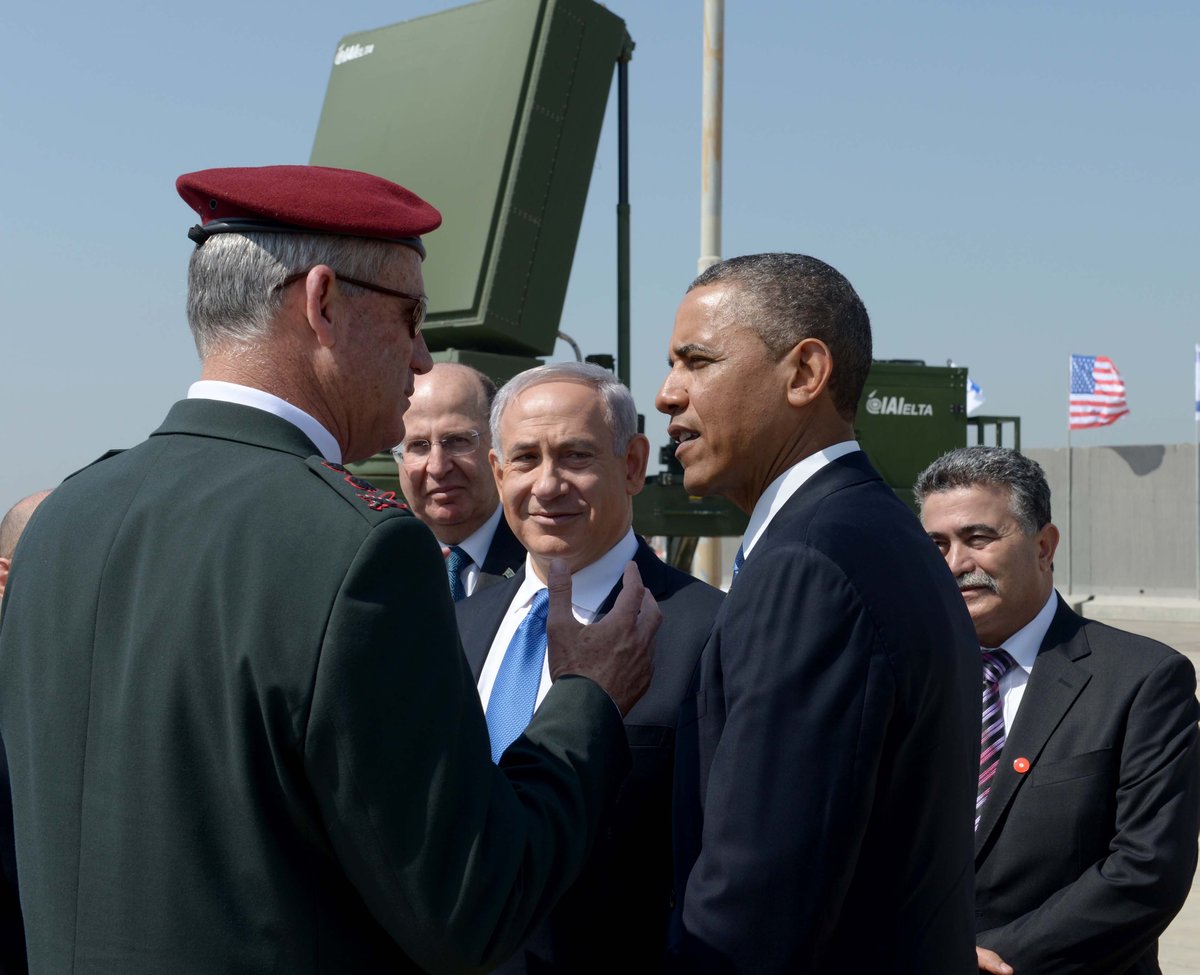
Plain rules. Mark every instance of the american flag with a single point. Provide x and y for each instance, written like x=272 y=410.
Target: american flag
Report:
x=1097 y=392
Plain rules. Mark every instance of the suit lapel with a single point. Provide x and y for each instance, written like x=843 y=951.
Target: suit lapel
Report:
x=652 y=571
x=478 y=640
x=504 y=556
x=1054 y=685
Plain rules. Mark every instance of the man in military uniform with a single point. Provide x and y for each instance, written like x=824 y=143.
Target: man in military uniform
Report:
x=241 y=732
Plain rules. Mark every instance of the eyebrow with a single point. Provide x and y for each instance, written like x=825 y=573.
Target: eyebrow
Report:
x=966 y=530
x=572 y=444
x=691 y=348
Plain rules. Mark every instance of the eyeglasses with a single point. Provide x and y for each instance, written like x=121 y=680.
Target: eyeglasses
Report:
x=455 y=444
x=418 y=312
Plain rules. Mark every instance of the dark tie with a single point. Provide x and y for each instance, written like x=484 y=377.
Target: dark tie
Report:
x=737 y=561
x=996 y=663
x=456 y=561
x=515 y=692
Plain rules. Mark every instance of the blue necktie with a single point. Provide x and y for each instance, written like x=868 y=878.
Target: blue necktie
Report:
x=515 y=692
x=456 y=561
x=737 y=561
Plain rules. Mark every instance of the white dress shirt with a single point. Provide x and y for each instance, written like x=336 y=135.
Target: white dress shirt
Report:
x=590 y=586
x=784 y=486
x=1023 y=647
x=477 y=545
x=270 y=403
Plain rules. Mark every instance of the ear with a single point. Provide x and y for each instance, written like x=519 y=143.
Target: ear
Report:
x=319 y=297
x=4 y=564
x=1047 y=545
x=637 y=454
x=809 y=365
x=497 y=470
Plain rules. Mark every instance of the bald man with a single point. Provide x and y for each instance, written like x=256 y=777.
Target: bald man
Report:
x=12 y=928
x=10 y=531
x=446 y=479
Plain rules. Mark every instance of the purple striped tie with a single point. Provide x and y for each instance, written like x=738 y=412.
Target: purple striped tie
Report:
x=996 y=663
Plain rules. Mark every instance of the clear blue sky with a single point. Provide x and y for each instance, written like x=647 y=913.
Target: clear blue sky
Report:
x=1005 y=184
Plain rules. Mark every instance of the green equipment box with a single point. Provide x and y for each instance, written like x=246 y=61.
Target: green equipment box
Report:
x=909 y=415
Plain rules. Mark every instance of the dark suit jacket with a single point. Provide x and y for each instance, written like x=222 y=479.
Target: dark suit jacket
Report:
x=614 y=919
x=242 y=736
x=826 y=774
x=1082 y=861
x=505 y=555
x=12 y=929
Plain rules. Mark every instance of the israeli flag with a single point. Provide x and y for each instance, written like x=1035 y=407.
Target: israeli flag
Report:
x=975 y=394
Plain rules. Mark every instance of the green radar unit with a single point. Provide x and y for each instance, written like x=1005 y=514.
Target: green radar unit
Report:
x=491 y=111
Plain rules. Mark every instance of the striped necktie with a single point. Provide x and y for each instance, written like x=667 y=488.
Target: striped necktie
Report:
x=514 y=694
x=996 y=663
x=456 y=561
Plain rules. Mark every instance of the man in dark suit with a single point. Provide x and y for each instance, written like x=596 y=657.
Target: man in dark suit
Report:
x=446 y=479
x=568 y=460
x=827 y=761
x=240 y=729
x=1089 y=793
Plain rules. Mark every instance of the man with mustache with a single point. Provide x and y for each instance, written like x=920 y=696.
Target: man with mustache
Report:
x=1089 y=784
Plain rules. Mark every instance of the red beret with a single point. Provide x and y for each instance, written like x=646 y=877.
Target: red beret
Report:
x=305 y=199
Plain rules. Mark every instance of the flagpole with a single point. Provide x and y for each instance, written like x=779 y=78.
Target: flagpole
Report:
x=1070 y=496
x=1196 y=467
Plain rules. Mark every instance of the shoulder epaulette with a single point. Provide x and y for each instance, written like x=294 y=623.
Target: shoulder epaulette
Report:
x=352 y=486
x=99 y=460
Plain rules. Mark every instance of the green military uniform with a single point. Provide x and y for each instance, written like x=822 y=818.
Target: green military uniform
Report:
x=242 y=735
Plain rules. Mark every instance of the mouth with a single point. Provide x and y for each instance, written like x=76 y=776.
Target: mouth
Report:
x=553 y=519
x=682 y=437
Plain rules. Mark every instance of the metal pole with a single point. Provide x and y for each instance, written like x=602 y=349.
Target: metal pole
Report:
x=712 y=115
x=623 y=219
x=711 y=120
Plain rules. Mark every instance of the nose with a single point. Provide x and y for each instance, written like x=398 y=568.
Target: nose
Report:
x=438 y=463
x=671 y=398
x=960 y=559
x=549 y=483
x=421 y=361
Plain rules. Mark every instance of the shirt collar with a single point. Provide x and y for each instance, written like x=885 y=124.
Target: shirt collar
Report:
x=479 y=541
x=785 y=485
x=1023 y=646
x=591 y=585
x=260 y=399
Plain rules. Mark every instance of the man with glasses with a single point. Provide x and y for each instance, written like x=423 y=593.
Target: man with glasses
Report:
x=446 y=479
x=241 y=732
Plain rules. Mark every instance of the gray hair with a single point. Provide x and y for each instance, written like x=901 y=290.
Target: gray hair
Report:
x=234 y=279
x=617 y=402
x=1029 y=493
x=789 y=297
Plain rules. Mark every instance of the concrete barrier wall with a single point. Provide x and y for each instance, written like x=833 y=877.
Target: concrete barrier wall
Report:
x=1128 y=517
